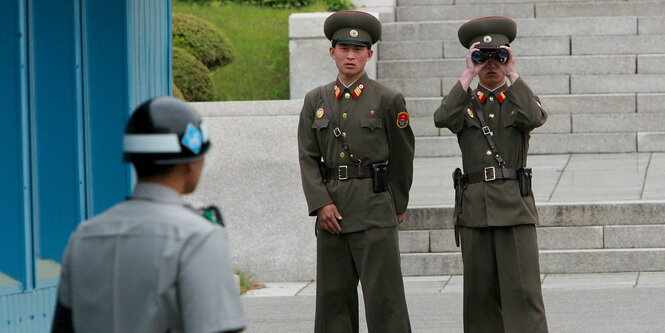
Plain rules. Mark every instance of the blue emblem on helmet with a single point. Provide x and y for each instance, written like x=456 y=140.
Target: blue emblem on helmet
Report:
x=193 y=139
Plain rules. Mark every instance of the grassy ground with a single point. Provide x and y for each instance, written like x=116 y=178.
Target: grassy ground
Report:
x=260 y=38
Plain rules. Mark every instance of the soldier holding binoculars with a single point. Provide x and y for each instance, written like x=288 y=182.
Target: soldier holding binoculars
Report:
x=495 y=210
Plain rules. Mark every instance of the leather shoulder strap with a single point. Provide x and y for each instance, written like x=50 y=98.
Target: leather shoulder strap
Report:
x=336 y=131
x=486 y=130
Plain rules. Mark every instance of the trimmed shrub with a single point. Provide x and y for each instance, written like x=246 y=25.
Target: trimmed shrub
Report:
x=177 y=92
x=191 y=76
x=335 y=5
x=276 y=3
x=202 y=40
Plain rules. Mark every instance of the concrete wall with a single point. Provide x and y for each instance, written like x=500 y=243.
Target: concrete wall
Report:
x=252 y=174
x=310 y=64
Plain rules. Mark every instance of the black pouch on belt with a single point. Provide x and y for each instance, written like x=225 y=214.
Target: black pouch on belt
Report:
x=524 y=179
x=380 y=176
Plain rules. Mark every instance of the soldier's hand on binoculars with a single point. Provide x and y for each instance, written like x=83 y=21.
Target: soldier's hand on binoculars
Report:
x=472 y=67
x=509 y=68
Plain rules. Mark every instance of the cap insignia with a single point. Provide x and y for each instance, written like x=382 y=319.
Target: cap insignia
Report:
x=487 y=39
x=193 y=139
x=353 y=33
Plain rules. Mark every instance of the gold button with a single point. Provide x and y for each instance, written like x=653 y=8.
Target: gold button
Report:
x=491 y=115
x=489 y=152
x=342 y=154
x=491 y=98
x=347 y=95
x=344 y=115
x=344 y=135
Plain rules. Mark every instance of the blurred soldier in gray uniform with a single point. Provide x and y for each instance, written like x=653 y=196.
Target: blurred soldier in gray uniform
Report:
x=495 y=209
x=151 y=263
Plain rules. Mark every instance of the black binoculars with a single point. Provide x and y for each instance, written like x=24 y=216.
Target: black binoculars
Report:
x=489 y=52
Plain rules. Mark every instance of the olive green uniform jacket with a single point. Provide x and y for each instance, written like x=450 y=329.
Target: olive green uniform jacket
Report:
x=369 y=123
x=495 y=203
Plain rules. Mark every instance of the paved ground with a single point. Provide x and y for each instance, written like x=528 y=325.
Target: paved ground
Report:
x=585 y=303
x=564 y=178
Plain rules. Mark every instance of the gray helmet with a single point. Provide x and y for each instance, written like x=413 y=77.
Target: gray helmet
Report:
x=163 y=131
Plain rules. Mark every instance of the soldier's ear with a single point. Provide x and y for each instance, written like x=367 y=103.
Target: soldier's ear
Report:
x=331 y=51
x=370 y=52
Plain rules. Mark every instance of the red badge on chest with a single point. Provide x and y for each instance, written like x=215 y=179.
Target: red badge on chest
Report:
x=402 y=119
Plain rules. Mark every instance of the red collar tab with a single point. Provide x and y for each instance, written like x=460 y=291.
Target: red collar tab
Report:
x=359 y=90
x=481 y=95
x=337 y=91
x=501 y=96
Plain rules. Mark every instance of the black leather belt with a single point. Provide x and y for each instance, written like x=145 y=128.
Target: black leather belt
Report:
x=491 y=173
x=344 y=172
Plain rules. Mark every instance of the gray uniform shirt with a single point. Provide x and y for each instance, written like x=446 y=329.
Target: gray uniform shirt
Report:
x=150 y=264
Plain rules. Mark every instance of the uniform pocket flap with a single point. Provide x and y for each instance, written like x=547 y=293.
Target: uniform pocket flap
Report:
x=320 y=123
x=371 y=123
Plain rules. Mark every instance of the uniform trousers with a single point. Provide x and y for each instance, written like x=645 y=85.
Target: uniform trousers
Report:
x=502 y=290
x=371 y=257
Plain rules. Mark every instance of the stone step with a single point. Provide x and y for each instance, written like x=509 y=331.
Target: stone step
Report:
x=551 y=261
x=442 y=12
x=603 y=8
x=578 y=104
x=551 y=65
x=530 y=27
x=423 y=126
x=549 y=238
x=446 y=12
x=556 y=215
x=641 y=84
x=613 y=83
x=431 y=87
x=467 y=2
x=557 y=143
x=638 y=44
x=439 y=49
x=529 y=46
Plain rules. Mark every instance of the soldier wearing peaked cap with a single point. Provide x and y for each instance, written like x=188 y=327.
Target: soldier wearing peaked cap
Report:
x=494 y=206
x=356 y=160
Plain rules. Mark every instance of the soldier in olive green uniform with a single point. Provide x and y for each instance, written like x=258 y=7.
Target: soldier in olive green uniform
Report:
x=356 y=161
x=496 y=213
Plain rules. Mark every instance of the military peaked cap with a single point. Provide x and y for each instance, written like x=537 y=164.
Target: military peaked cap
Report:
x=353 y=28
x=492 y=30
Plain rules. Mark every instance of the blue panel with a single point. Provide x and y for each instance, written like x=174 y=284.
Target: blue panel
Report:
x=28 y=312
x=149 y=49
x=14 y=183
x=106 y=100
x=58 y=123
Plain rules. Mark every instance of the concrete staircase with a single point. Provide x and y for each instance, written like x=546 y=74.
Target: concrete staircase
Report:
x=598 y=66
x=573 y=238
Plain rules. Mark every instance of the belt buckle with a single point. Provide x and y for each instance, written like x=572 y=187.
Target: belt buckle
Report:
x=337 y=132
x=489 y=170
x=487 y=131
x=346 y=172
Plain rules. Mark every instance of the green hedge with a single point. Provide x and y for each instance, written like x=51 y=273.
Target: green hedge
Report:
x=335 y=5
x=202 y=40
x=191 y=76
x=275 y=3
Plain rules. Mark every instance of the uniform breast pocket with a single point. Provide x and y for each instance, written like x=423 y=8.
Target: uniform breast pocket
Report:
x=371 y=123
x=508 y=118
x=471 y=121
x=320 y=123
